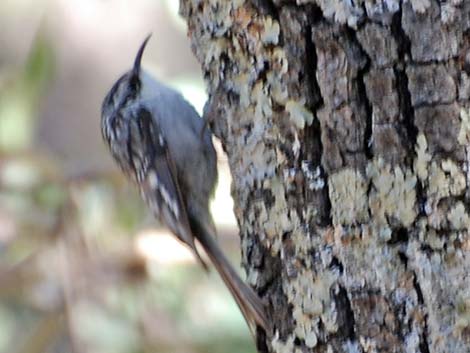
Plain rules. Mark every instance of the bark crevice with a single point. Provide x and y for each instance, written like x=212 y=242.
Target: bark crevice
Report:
x=346 y=319
x=424 y=344
x=423 y=340
x=404 y=95
x=313 y=132
x=361 y=86
x=267 y=7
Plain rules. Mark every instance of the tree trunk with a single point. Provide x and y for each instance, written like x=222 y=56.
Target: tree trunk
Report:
x=347 y=128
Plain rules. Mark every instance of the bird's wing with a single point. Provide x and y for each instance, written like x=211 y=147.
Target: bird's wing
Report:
x=158 y=182
x=160 y=188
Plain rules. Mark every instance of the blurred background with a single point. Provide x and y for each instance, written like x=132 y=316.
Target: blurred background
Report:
x=83 y=265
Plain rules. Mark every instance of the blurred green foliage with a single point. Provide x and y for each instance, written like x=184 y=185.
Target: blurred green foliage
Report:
x=20 y=96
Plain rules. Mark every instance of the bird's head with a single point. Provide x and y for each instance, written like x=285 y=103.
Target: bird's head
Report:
x=127 y=88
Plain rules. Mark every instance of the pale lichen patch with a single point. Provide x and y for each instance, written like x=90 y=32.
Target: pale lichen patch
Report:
x=261 y=100
x=311 y=301
x=348 y=195
x=311 y=339
x=341 y=11
x=393 y=195
x=277 y=219
x=420 y=6
x=241 y=85
x=432 y=238
x=464 y=139
x=214 y=49
x=278 y=90
x=271 y=30
x=283 y=347
x=445 y=179
x=458 y=217
x=456 y=179
x=299 y=114
x=462 y=323
x=303 y=246
x=351 y=347
x=280 y=62
x=464 y=133
x=313 y=176
x=260 y=165
x=280 y=65
x=423 y=158
x=449 y=12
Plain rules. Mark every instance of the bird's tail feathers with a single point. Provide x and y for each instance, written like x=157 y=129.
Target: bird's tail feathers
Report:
x=248 y=301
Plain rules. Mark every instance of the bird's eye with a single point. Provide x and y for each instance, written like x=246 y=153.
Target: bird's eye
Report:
x=134 y=82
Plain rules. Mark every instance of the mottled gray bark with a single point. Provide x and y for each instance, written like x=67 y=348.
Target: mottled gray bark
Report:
x=347 y=129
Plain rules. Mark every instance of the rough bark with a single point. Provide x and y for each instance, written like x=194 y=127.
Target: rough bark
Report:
x=347 y=129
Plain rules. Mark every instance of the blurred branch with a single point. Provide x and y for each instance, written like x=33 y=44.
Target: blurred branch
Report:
x=50 y=171
x=45 y=332
x=17 y=278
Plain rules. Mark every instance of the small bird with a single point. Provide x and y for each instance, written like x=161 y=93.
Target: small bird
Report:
x=161 y=143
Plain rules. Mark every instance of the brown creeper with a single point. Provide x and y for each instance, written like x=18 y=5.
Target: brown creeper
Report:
x=161 y=143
